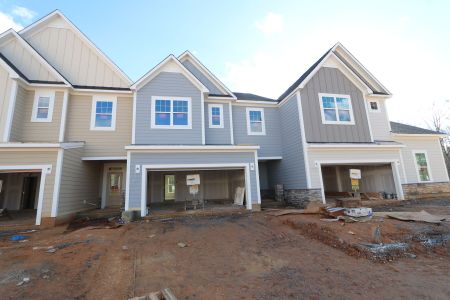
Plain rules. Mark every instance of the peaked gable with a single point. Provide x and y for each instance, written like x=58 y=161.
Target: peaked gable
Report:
x=215 y=86
x=25 y=61
x=67 y=49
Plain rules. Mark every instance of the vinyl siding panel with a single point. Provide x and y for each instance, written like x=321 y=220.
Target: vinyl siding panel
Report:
x=291 y=170
x=359 y=156
x=99 y=143
x=185 y=158
x=16 y=157
x=434 y=152
x=379 y=122
x=5 y=95
x=218 y=136
x=26 y=62
x=270 y=143
x=168 y=84
x=213 y=88
x=333 y=81
x=73 y=58
x=24 y=130
x=79 y=181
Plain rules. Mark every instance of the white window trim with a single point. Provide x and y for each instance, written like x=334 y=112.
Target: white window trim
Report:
x=51 y=105
x=263 y=123
x=414 y=152
x=171 y=126
x=96 y=99
x=352 y=118
x=220 y=107
x=374 y=110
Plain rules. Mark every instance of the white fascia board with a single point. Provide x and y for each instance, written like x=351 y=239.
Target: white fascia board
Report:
x=87 y=158
x=156 y=70
x=43 y=145
x=353 y=146
x=76 y=91
x=426 y=135
x=270 y=157
x=82 y=36
x=187 y=54
x=189 y=148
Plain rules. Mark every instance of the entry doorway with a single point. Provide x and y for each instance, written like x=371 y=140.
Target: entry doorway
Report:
x=29 y=188
x=113 y=191
x=169 y=187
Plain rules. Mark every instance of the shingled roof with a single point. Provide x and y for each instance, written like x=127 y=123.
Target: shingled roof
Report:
x=252 y=97
x=409 y=129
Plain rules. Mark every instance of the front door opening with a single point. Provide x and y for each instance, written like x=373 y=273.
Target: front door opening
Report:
x=169 y=187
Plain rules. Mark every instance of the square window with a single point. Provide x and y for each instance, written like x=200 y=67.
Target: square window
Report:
x=168 y=112
x=103 y=113
x=336 y=109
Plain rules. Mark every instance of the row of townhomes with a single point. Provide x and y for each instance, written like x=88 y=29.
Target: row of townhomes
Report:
x=76 y=133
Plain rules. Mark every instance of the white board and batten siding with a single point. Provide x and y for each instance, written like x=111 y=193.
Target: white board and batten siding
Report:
x=5 y=95
x=379 y=121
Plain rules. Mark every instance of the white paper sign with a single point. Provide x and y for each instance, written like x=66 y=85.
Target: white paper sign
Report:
x=193 y=179
x=355 y=173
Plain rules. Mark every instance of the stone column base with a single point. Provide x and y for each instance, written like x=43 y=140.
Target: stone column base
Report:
x=426 y=190
x=301 y=198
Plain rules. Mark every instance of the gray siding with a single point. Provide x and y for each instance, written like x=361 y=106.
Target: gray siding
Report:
x=333 y=81
x=213 y=89
x=291 y=170
x=185 y=158
x=218 y=136
x=270 y=143
x=167 y=84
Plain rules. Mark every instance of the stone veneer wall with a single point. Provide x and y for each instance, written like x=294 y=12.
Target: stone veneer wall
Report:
x=426 y=190
x=301 y=198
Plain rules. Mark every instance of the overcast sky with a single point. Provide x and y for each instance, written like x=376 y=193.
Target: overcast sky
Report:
x=264 y=46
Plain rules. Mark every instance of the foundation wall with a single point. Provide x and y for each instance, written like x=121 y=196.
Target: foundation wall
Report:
x=426 y=190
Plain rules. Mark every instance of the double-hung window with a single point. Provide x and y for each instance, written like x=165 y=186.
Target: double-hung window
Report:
x=255 y=121
x=43 y=106
x=422 y=167
x=336 y=109
x=215 y=115
x=171 y=112
x=103 y=114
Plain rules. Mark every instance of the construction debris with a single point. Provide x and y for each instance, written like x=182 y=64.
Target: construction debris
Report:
x=312 y=208
x=358 y=212
x=349 y=202
x=182 y=245
x=24 y=280
x=164 y=294
x=421 y=216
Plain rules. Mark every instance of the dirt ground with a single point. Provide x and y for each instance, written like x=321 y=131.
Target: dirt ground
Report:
x=239 y=256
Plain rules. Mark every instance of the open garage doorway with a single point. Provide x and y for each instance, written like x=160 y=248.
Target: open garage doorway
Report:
x=19 y=196
x=167 y=189
x=378 y=181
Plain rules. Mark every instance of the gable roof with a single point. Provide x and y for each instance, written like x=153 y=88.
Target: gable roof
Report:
x=363 y=78
x=53 y=16
x=160 y=68
x=187 y=55
x=252 y=97
x=36 y=55
x=409 y=129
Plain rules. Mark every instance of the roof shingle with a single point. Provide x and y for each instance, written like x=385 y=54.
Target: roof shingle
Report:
x=409 y=129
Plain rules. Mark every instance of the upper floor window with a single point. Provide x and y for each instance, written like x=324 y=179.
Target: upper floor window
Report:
x=255 y=121
x=374 y=106
x=44 y=102
x=422 y=167
x=215 y=115
x=103 y=114
x=171 y=112
x=336 y=109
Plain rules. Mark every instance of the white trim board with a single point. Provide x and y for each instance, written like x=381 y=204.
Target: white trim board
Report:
x=42 y=145
x=88 y=158
x=303 y=139
x=45 y=170
x=146 y=168
x=11 y=108
x=188 y=148
x=57 y=185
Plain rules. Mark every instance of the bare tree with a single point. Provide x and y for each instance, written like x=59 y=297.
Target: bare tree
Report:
x=440 y=121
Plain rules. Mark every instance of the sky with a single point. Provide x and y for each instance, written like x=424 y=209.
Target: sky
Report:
x=262 y=47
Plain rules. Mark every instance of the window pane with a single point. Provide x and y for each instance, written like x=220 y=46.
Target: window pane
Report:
x=215 y=120
x=180 y=119
x=344 y=115
x=328 y=102
x=162 y=118
x=162 y=105
x=180 y=106
x=103 y=120
x=255 y=116
x=215 y=111
x=42 y=113
x=423 y=174
x=330 y=114
x=343 y=103
x=374 y=105
x=421 y=159
x=256 y=126
x=44 y=102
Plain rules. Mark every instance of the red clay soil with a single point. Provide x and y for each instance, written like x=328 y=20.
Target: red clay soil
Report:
x=230 y=257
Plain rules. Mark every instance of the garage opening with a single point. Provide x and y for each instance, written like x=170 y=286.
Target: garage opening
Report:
x=168 y=190
x=376 y=183
x=19 y=196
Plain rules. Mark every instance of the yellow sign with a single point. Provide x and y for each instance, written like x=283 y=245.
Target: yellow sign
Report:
x=355 y=184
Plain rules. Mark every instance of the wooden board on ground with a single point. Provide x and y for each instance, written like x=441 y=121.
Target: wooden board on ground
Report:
x=165 y=294
x=312 y=208
x=421 y=216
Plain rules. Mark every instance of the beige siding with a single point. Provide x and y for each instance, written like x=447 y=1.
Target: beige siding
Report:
x=99 y=143
x=5 y=92
x=379 y=122
x=26 y=62
x=71 y=56
x=434 y=153
x=16 y=157
x=24 y=130
x=345 y=155
x=79 y=183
